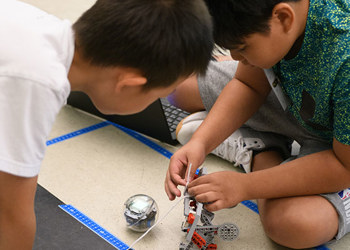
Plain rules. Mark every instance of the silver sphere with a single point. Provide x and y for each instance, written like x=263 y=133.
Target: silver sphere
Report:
x=141 y=212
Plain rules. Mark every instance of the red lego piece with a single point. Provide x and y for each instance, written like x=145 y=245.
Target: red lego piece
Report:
x=190 y=218
x=198 y=240
x=212 y=247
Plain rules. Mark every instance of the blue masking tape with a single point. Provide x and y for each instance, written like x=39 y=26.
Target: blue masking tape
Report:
x=93 y=226
x=76 y=133
x=144 y=140
x=251 y=205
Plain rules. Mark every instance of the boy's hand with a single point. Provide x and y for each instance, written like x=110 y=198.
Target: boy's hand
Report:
x=193 y=152
x=220 y=190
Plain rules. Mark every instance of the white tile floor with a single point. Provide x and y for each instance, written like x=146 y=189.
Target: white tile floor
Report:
x=96 y=172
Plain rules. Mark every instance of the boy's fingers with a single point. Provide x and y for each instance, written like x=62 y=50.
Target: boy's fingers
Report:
x=214 y=206
x=171 y=187
x=178 y=180
x=168 y=193
x=193 y=172
x=175 y=177
x=200 y=181
x=205 y=196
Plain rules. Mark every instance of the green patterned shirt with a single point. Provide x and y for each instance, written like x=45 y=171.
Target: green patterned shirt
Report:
x=317 y=80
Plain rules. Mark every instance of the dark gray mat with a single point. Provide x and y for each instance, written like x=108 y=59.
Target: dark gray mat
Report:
x=57 y=230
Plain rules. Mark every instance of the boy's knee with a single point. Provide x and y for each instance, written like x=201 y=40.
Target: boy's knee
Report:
x=294 y=227
x=285 y=227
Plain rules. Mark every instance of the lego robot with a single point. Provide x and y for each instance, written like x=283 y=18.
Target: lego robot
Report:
x=198 y=225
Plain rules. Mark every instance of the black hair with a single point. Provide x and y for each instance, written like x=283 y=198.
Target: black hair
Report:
x=164 y=39
x=235 y=20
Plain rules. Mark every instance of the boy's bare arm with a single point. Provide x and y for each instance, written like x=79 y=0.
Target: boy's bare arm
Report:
x=17 y=218
x=323 y=172
x=238 y=101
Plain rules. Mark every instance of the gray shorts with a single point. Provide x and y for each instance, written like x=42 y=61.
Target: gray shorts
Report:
x=276 y=127
x=340 y=200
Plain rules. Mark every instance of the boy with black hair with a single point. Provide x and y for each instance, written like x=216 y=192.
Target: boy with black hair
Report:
x=123 y=54
x=306 y=43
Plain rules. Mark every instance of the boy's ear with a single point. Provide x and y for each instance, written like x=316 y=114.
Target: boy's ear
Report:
x=285 y=15
x=129 y=78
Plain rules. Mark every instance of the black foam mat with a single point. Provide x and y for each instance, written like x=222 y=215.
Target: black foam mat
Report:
x=57 y=230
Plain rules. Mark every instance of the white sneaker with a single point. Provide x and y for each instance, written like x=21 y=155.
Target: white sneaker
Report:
x=235 y=148
x=188 y=125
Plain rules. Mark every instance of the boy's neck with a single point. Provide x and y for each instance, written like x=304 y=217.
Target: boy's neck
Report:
x=81 y=74
x=301 y=10
x=295 y=48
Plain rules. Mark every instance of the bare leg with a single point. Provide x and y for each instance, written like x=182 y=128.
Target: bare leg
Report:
x=186 y=96
x=295 y=222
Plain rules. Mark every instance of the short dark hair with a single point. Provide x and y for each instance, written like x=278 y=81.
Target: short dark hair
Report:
x=235 y=20
x=164 y=39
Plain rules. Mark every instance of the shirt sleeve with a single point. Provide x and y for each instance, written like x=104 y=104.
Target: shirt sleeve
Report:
x=27 y=112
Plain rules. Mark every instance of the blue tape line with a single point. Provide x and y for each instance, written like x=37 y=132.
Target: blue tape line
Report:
x=93 y=226
x=76 y=133
x=251 y=205
x=144 y=140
